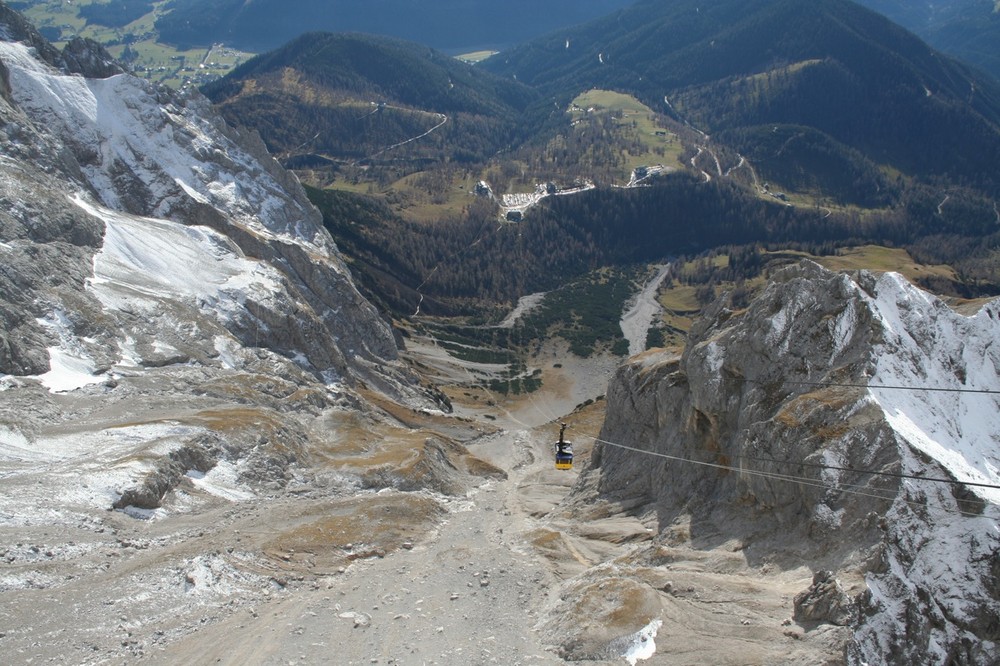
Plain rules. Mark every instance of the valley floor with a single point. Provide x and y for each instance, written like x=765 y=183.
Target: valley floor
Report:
x=514 y=571
x=465 y=593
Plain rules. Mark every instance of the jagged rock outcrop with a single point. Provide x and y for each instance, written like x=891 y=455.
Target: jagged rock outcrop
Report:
x=825 y=601
x=90 y=59
x=769 y=430
x=15 y=28
x=119 y=196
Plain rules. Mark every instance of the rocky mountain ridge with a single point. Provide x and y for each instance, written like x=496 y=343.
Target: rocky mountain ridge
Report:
x=160 y=267
x=772 y=430
x=181 y=348
x=104 y=151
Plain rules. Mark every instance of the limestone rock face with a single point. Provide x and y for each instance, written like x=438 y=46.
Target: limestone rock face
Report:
x=792 y=426
x=746 y=395
x=137 y=228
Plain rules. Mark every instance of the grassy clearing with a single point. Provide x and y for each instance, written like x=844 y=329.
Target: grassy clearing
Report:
x=360 y=187
x=59 y=21
x=884 y=259
x=430 y=205
x=606 y=100
x=659 y=145
x=423 y=196
x=475 y=56
x=229 y=420
x=680 y=308
x=600 y=612
x=764 y=77
x=357 y=451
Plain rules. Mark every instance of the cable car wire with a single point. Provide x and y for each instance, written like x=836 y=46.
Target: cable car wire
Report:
x=855 y=470
x=745 y=470
x=895 y=475
x=853 y=489
x=886 y=387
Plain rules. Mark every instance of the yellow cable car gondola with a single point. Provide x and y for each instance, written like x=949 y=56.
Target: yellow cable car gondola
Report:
x=564 y=450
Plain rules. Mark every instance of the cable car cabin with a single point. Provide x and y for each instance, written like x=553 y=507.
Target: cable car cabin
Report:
x=564 y=450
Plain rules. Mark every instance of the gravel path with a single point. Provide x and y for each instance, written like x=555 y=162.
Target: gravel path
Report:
x=469 y=593
x=638 y=318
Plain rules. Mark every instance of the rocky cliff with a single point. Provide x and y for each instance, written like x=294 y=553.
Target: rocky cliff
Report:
x=133 y=212
x=805 y=428
x=158 y=264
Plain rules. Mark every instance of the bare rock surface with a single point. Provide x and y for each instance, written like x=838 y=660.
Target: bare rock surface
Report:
x=825 y=601
x=800 y=431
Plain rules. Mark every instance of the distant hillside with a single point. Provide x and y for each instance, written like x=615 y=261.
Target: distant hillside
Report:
x=353 y=96
x=830 y=65
x=444 y=24
x=967 y=29
x=806 y=125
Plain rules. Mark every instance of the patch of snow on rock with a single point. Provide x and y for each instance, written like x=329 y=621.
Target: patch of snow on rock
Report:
x=213 y=575
x=83 y=470
x=70 y=366
x=146 y=260
x=643 y=644
x=931 y=346
x=221 y=481
x=177 y=155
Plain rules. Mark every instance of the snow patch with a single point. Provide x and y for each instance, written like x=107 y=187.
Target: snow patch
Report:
x=144 y=514
x=70 y=366
x=13 y=443
x=146 y=260
x=88 y=469
x=221 y=481
x=212 y=575
x=129 y=355
x=175 y=153
x=643 y=646
x=191 y=192
x=227 y=349
x=929 y=345
x=842 y=329
x=35 y=580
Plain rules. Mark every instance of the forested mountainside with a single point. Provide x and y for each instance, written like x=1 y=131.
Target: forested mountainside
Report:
x=875 y=137
x=741 y=67
x=351 y=96
x=572 y=235
x=967 y=29
x=444 y=24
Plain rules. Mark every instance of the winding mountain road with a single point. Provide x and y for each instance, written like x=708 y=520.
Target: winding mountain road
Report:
x=441 y=117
